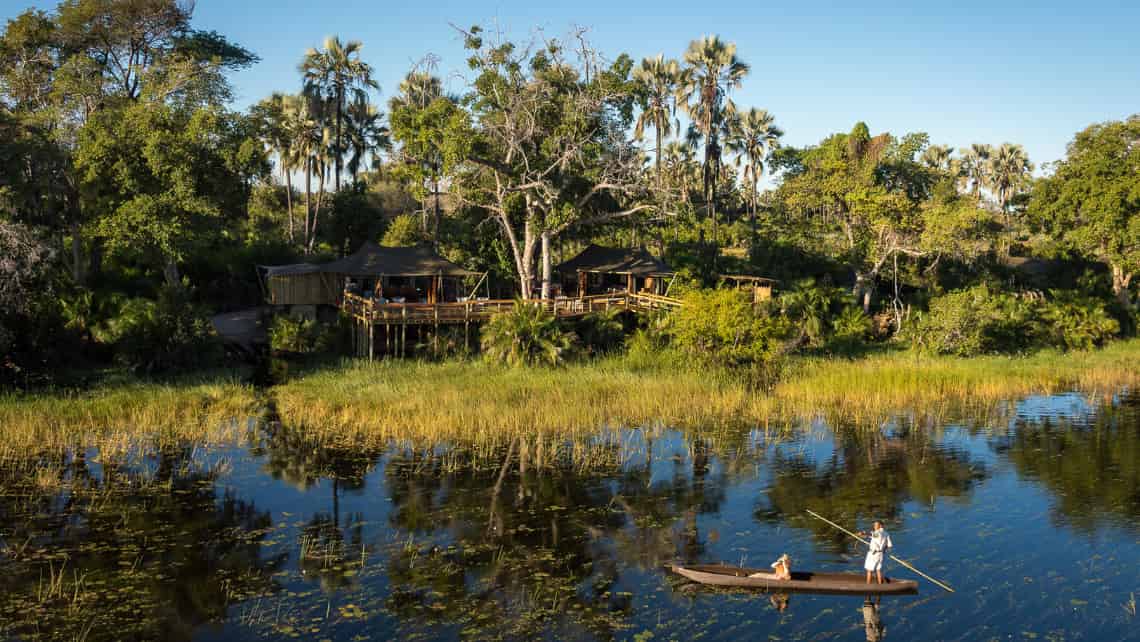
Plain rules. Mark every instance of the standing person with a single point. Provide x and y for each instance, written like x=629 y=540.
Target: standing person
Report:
x=880 y=543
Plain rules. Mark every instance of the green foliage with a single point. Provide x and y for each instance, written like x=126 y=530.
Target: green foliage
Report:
x=600 y=332
x=1074 y=322
x=445 y=343
x=404 y=231
x=287 y=334
x=169 y=334
x=723 y=327
x=1092 y=201
x=981 y=320
x=526 y=335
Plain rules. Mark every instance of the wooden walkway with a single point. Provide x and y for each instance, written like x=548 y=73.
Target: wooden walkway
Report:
x=395 y=318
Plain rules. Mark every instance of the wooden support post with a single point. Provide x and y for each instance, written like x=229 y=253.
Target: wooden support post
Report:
x=404 y=340
x=371 y=341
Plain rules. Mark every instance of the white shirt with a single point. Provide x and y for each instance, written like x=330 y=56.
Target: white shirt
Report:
x=880 y=541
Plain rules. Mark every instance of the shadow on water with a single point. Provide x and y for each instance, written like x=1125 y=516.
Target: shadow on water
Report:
x=287 y=536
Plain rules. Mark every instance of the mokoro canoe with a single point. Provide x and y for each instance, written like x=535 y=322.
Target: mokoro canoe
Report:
x=801 y=582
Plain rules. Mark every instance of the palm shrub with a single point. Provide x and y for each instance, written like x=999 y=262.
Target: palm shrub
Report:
x=815 y=308
x=600 y=332
x=167 y=334
x=526 y=335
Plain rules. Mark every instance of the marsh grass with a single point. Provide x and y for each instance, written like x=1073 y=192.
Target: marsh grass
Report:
x=872 y=389
x=412 y=402
x=476 y=403
x=114 y=417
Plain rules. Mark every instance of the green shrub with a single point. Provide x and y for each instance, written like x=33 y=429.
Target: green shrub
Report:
x=600 y=332
x=816 y=309
x=167 y=334
x=978 y=320
x=1074 y=322
x=850 y=330
x=526 y=335
x=301 y=336
x=981 y=320
x=723 y=327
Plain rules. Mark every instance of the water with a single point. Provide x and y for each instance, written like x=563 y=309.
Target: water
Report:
x=1033 y=515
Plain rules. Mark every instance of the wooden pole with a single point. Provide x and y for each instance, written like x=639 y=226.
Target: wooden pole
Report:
x=371 y=340
x=865 y=543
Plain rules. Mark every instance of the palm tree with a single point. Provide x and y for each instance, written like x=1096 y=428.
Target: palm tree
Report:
x=713 y=70
x=752 y=138
x=658 y=80
x=310 y=149
x=938 y=157
x=272 y=117
x=1008 y=168
x=975 y=170
x=367 y=134
x=333 y=73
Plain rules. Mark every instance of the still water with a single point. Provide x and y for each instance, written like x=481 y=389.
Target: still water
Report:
x=1032 y=513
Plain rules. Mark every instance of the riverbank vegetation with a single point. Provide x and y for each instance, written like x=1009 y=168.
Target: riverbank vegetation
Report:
x=143 y=201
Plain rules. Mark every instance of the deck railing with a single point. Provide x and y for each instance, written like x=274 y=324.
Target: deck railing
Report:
x=370 y=311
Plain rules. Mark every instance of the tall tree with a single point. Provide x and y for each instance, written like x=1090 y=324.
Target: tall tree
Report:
x=938 y=157
x=712 y=71
x=368 y=136
x=272 y=119
x=1092 y=200
x=752 y=137
x=975 y=168
x=419 y=112
x=334 y=73
x=542 y=150
x=657 y=81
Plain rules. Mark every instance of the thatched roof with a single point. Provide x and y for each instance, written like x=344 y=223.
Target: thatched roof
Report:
x=615 y=260
x=374 y=260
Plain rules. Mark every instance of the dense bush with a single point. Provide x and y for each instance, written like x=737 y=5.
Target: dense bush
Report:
x=166 y=334
x=600 y=332
x=404 y=231
x=825 y=316
x=723 y=327
x=982 y=320
x=305 y=336
x=526 y=335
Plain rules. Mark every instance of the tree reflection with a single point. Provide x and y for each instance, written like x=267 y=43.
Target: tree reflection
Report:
x=147 y=550
x=298 y=458
x=518 y=542
x=1091 y=467
x=868 y=475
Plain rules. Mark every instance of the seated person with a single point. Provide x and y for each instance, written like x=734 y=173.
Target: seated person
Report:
x=783 y=567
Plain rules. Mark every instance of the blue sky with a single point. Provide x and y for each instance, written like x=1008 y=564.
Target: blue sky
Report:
x=964 y=72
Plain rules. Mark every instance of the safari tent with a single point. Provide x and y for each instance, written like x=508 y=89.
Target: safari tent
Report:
x=604 y=270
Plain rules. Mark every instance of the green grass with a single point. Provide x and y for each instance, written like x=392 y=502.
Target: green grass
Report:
x=477 y=404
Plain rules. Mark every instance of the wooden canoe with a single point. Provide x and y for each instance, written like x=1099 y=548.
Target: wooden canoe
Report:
x=801 y=582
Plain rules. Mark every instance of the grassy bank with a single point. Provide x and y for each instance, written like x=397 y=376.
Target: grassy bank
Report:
x=867 y=390
x=472 y=402
x=121 y=411
x=430 y=403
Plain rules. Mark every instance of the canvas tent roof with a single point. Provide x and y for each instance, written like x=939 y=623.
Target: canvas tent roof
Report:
x=290 y=270
x=374 y=260
x=616 y=260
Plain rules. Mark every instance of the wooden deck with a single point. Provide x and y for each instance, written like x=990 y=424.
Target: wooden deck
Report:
x=368 y=311
x=391 y=320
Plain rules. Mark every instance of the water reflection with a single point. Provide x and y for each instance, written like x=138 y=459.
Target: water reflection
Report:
x=101 y=549
x=867 y=475
x=290 y=535
x=1090 y=463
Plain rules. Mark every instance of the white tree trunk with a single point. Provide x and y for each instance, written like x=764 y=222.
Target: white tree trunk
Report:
x=1120 y=282
x=547 y=267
